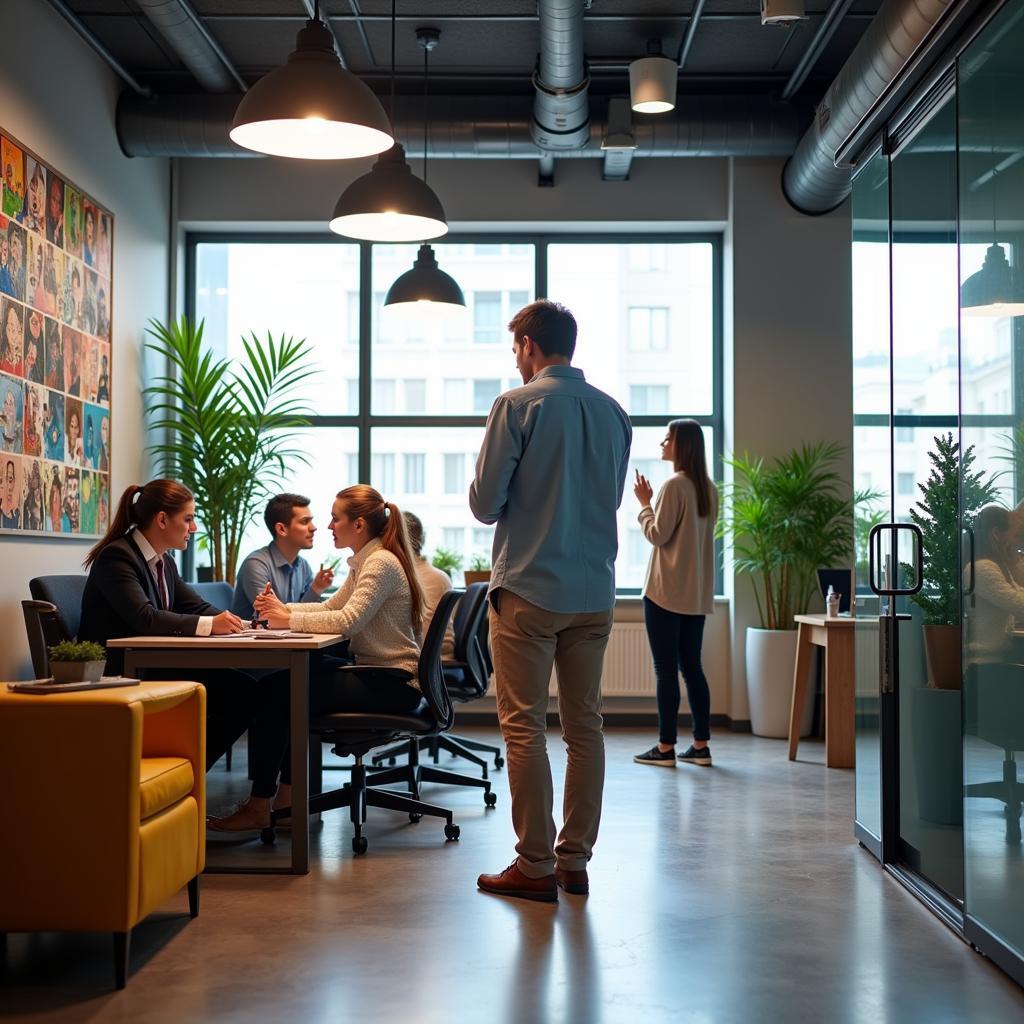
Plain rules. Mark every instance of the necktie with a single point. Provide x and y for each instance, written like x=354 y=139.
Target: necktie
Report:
x=292 y=598
x=161 y=585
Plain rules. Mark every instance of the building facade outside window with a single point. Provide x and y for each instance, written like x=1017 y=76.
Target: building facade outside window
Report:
x=400 y=401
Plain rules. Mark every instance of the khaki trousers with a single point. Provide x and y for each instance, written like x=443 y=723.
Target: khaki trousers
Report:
x=525 y=642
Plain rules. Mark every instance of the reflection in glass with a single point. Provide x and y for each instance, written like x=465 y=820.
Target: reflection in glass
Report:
x=871 y=462
x=991 y=178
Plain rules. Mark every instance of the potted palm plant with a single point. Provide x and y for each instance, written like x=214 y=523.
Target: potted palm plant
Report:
x=77 y=661
x=784 y=519
x=447 y=561
x=228 y=427
x=952 y=494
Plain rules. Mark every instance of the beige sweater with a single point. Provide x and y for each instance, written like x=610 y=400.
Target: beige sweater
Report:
x=435 y=585
x=373 y=607
x=997 y=607
x=681 y=572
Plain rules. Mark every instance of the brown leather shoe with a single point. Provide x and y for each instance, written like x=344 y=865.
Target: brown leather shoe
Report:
x=512 y=882
x=575 y=882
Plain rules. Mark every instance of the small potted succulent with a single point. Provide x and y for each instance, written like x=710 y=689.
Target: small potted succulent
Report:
x=479 y=570
x=77 y=662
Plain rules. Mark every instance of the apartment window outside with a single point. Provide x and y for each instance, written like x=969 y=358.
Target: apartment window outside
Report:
x=454 y=473
x=905 y=435
x=484 y=394
x=415 y=473
x=487 y=325
x=648 y=328
x=904 y=483
x=414 y=428
x=648 y=399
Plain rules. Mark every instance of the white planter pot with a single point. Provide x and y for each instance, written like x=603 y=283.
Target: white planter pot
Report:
x=771 y=655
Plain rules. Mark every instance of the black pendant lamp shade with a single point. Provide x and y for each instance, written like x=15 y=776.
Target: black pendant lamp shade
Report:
x=389 y=204
x=426 y=282
x=995 y=290
x=312 y=108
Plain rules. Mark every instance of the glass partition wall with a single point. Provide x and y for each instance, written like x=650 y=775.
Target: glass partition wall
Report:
x=938 y=336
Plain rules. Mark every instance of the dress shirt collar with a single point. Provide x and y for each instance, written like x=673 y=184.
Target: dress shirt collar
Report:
x=279 y=558
x=357 y=560
x=557 y=370
x=148 y=553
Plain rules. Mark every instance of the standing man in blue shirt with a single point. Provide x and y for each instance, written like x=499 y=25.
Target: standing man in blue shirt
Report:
x=550 y=475
x=291 y=526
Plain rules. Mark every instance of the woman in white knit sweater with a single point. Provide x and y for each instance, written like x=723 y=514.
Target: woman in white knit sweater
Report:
x=379 y=607
x=680 y=588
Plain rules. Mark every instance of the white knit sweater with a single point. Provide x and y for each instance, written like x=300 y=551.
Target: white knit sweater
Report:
x=373 y=608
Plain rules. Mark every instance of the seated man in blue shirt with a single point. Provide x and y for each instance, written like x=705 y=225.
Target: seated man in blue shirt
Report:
x=291 y=526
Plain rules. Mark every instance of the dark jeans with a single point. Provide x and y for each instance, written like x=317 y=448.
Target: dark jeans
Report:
x=232 y=698
x=329 y=690
x=675 y=646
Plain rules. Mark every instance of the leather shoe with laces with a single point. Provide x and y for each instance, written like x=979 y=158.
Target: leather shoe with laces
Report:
x=512 y=882
x=575 y=882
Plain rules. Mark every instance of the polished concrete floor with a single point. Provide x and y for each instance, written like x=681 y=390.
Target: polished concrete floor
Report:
x=734 y=894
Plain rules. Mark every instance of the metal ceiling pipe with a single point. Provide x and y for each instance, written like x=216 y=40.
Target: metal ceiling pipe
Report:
x=811 y=181
x=481 y=128
x=560 y=108
x=191 y=40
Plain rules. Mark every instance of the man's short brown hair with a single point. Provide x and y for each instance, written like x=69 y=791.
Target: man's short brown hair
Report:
x=281 y=509
x=549 y=325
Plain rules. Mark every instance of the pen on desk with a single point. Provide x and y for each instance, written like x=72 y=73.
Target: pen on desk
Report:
x=258 y=623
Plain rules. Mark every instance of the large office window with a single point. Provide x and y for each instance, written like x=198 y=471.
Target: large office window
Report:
x=401 y=400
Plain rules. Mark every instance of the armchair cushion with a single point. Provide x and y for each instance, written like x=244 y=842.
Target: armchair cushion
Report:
x=163 y=781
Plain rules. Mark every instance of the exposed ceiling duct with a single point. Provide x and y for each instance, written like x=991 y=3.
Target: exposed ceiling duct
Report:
x=191 y=40
x=480 y=127
x=560 y=108
x=811 y=181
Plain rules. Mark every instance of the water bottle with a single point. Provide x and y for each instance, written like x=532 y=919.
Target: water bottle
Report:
x=832 y=603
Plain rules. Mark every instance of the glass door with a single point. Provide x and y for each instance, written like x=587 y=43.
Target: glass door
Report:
x=872 y=472
x=926 y=466
x=991 y=183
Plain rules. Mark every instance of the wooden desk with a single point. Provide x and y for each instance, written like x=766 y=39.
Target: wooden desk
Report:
x=243 y=652
x=836 y=636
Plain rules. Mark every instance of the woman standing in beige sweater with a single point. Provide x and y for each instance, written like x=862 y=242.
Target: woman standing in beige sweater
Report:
x=680 y=588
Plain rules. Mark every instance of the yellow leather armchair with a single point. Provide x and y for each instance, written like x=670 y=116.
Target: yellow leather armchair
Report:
x=105 y=807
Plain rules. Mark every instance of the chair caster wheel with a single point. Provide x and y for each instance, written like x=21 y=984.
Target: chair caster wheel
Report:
x=490 y=799
x=415 y=817
x=359 y=844
x=267 y=836
x=499 y=762
x=452 y=832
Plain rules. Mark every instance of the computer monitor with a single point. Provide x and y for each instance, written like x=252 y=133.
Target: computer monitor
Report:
x=841 y=581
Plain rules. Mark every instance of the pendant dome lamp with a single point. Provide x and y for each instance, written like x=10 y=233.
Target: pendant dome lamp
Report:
x=652 y=81
x=426 y=286
x=389 y=204
x=312 y=108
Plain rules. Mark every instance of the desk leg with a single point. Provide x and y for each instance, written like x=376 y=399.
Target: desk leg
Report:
x=839 y=709
x=299 y=691
x=800 y=672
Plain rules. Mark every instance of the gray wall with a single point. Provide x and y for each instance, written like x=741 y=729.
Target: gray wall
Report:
x=58 y=99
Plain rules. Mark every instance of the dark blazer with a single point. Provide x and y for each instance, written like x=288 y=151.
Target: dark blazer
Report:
x=121 y=599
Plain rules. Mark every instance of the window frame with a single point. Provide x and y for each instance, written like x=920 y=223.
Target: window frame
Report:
x=365 y=421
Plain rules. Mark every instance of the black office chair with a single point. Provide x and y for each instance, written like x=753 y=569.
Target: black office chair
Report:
x=466 y=678
x=358 y=732
x=53 y=615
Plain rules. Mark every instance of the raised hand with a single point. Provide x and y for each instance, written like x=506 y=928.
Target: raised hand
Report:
x=642 y=489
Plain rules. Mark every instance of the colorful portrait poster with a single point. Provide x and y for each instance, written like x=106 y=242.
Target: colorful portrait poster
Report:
x=56 y=259
x=10 y=492
x=12 y=160
x=12 y=412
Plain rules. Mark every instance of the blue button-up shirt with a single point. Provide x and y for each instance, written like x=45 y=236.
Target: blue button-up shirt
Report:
x=291 y=580
x=550 y=474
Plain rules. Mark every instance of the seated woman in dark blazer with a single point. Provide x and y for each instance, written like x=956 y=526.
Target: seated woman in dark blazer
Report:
x=134 y=589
